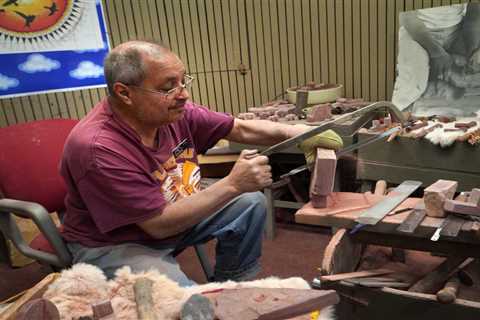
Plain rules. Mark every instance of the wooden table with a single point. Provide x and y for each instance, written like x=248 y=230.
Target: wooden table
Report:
x=344 y=251
x=384 y=232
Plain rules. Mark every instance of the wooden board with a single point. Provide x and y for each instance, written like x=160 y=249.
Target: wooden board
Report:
x=342 y=254
x=346 y=219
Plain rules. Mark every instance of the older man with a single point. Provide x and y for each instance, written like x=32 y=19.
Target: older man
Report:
x=133 y=178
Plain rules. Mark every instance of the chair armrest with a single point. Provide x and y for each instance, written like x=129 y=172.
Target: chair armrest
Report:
x=43 y=221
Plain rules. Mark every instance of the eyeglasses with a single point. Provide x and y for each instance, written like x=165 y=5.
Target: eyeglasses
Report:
x=187 y=84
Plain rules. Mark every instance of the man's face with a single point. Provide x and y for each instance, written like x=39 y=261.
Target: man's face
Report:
x=155 y=109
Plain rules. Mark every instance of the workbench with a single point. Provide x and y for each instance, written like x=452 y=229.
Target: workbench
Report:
x=418 y=159
x=344 y=255
x=384 y=232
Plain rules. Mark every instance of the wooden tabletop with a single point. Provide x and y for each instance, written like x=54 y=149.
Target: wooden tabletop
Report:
x=346 y=219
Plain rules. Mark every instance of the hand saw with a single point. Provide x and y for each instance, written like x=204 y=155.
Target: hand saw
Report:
x=348 y=149
x=335 y=122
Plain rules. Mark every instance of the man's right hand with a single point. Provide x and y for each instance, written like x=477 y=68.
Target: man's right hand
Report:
x=251 y=172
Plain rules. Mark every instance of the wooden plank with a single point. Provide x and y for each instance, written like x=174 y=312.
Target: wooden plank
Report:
x=390 y=49
x=112 y=22
x=138 y=21
x=193 y=36
x=340 y=47
x=27 y=109
x=276 y=49
x=222 y=57
x=245 y=54
x=259 y=52
x=268 y=51
x=331 y=42
x=315 y=41
x=452 y=227
x=238 y=79
x=382 y=48
x=3 y=115
x=324 y=45
x=346 y=219
x=232 y=58
x=35 y=292
x=270 y=304
x=71 y=105
x=172 y=29
x=357 y=49
x=307 y=39
x=374 y=52
x=207 y=58
x=7 y=106
x=299 y=42
x=190 y=40
x=251 y=27
x=128 y=19
x=214 y=54
x=164 y=25
x=280 y=44
x=348 y=48
x=365 y=51
x=341 y=254
x=180 y=33
x=146 y=19
x=356 y=274
x=415 y=217
x=152 y=8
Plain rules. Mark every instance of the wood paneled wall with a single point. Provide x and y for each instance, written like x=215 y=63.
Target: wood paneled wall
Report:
x=246 y=52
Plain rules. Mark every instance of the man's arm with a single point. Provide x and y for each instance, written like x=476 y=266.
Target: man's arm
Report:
x=250 y=173
x=263 y=132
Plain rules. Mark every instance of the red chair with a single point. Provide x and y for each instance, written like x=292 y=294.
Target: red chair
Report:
x=31 y=186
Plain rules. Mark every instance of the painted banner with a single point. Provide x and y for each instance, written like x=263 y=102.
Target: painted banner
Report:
x=51 y=45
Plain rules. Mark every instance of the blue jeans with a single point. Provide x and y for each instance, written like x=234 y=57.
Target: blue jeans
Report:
x=238 y=228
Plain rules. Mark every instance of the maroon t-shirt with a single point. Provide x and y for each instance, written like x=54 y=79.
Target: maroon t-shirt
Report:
x=114 y=181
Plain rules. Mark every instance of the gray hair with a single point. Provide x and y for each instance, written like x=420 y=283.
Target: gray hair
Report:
x=125 y=63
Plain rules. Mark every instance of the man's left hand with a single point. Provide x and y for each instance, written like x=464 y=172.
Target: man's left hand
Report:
x=328 y=139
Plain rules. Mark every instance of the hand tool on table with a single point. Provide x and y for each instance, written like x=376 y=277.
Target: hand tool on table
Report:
x=374 y=214
x=332 y=124
x=348 y=149
x=414 y=219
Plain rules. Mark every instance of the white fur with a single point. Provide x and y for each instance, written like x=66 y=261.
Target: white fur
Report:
x=83 y=285
x=445 y=139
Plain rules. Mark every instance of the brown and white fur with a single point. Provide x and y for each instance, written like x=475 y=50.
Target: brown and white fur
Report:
x=83 y=285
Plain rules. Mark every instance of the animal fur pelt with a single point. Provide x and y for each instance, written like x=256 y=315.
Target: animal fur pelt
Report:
x=83 y=285
x=446 y=139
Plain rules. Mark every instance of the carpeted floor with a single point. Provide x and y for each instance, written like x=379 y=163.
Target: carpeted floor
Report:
x=296 y=251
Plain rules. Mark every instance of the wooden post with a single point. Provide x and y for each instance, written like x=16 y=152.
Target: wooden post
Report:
x=435 y=196
x=323 y=177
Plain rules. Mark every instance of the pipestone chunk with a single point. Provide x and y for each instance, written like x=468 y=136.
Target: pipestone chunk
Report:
x=320 y=112
x=39 y=309
x=462 y=207
x=435 y=196
x=323 y=177
x=103 y=311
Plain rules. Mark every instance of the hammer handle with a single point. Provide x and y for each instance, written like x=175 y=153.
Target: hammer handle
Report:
x=449 y=293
